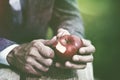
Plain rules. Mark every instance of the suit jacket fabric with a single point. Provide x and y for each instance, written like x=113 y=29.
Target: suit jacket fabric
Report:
x=33 y=21
x=37 y=15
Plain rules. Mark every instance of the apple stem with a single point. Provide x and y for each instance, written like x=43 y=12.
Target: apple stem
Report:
x=67 y=41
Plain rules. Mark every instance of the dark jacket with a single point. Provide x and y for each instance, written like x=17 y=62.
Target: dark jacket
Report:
x=33 y=20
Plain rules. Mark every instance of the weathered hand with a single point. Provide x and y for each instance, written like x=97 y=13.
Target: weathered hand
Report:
x=80 y=60
x=33 y=58
x=84 y=56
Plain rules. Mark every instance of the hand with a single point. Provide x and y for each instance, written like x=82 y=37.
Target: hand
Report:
x=32 y=58
x=80 y=60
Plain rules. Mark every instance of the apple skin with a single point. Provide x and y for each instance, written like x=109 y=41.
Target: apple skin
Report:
x=67 y=46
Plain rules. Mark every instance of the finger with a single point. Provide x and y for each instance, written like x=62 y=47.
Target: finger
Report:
x=88 y=47
x=44 y=50
x=59 y=65
x=86 y=42
x=29 y=69
x=49 y=42
x=37 y=65
x=82 y=59
x=87 y=50
x=46 y=62
x=62 y=32
x=38 y=57
x=71 y=65
x=45 y=42
x=40 y=67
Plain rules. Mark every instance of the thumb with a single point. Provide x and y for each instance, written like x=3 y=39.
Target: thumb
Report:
x=50 y=42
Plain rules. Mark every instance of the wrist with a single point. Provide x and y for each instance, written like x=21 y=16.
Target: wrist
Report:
x=10 y=55
x=4 y=53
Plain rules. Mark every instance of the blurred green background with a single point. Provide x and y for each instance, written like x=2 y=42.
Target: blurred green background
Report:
x=102 y=26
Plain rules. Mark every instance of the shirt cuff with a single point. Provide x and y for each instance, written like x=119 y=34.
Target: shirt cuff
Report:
x=5 y=52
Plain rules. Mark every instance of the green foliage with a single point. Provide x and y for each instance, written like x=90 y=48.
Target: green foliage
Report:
x=101 y=20
x=49 y=33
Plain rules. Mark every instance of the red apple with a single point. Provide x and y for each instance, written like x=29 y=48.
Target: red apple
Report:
x=67 y=46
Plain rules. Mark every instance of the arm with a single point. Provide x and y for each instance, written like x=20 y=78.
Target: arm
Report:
x=4 y=53
x=66 y=15
x=5 y=43
x=5 y=47
x=34 y=57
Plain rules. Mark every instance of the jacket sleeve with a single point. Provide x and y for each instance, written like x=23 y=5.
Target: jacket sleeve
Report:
x=4 y=43
x=5 y=47
x=66 y=15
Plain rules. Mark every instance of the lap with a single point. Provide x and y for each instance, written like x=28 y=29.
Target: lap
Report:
x=8 y=74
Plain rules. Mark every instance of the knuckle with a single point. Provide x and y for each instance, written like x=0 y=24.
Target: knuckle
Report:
x=80 y=58
x=88 y=41
x=28 y=60
x=38 y=45
x=42 y=68
x=88 y=59
x=92 y=58
x=27 y=68
x=31 y=51
x=47 y=52
x=93 y=48
x=61 y=29
x=51 y=53
x=35 y=43
x=45 y=69
x=49 y=62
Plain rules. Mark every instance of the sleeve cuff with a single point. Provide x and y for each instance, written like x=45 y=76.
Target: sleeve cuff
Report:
x=5 y=52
